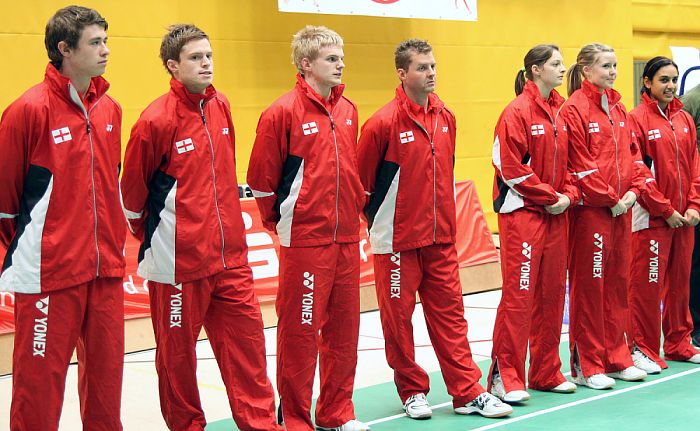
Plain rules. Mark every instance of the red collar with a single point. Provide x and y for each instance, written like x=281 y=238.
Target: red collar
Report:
x=194 y=99
x=594 y=94
x=61 y=84
x=532 y=91
x=673 y=107
x=434 y=102
x=336 y=93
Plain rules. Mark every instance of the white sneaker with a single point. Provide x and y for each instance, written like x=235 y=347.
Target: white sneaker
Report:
x=352 y=425
x=564 y=388
x=695 y=359
x=645 y=363
x=596 y=381
x=417 y=407
x=486 y=405
x=629 y=374
x=499 y=390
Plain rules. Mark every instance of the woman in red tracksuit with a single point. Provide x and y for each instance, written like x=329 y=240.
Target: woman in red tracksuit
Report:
x=531 y=193
x=609 y=173
x=662 y=222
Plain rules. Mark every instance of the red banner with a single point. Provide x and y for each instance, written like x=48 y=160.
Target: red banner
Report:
x=474 y=247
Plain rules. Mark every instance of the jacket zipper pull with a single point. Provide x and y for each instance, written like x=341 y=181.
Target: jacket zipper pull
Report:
x=87 y=124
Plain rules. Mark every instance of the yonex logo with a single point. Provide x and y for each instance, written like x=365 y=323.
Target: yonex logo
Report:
x=41 y=326
x=685 y=130
x=406 y=137
x=61 y=135
x=654 y=134
x=563 y=127
x=598 y=256
x=43 y=305
x=348 y=122
x=593 y=128
x=525 y=267
x=537 y=129
x=307 y=300
x=176 y=307
x=184 y=146
x=224 y=131
x=654 y=261
x=622 y=124
x=445 y=129
x=109 y=127
x=395 y=283
x=309 y=128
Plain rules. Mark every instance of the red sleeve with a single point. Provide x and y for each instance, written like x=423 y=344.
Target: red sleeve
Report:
x=694 y=192
x=595 y=190
x=510 y=147
x=15 y=138
x=651 y=197
x=370 y=152
x=141 y=160
x=267 y=162
x=571 y=189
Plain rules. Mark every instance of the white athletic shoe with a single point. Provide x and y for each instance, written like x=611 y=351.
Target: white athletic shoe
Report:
x=486 y=405
x=352 y=425
x=629 y=374
x=499 y=390
x=596 y=381
x=645 y=363
x=695 y=359
x=417 y=407
x=564 y=388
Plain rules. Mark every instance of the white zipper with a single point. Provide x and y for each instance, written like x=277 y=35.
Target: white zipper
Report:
x=213 y=174
x=678 y=161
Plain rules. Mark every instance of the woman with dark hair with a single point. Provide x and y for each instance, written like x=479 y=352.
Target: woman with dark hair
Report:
x=662 y=222
x=531 y=193
x=603 y=158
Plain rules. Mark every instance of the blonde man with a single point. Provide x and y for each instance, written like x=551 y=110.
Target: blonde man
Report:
x=304 y=177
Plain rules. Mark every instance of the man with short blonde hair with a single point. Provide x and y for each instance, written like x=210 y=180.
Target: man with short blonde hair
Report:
x=304 y=177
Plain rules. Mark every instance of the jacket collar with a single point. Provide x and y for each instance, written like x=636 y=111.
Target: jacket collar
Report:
x=673 y=107
x=305 y=88
x=434 y=102
x=554 y=101
x=593 y=94
x=191 y=99
x=62 y=85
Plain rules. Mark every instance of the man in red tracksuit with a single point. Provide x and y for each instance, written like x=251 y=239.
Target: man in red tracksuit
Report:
x=406 y=158
x=303 y=173
x=59 y=202
x=180 y=198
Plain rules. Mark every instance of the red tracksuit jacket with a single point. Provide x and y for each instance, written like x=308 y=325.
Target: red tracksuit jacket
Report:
x=530 y=153
x=394 y=149
x=605 y=172
x=667 y=141
x=303 y=168
x=179 y=187
x=59 y=192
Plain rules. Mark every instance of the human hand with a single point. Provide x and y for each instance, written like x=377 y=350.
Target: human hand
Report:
x=559 y=207
x=692 y=217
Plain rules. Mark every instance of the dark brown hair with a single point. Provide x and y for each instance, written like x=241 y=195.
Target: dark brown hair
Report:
x=67 y=26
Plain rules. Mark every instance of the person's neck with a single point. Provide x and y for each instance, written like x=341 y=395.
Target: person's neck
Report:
x=419 y=98
x=323 y=90
x=545 y=90
x=662 y=105
x=80 y=82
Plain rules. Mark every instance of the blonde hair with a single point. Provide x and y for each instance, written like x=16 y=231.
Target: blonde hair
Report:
x=308 y=41
x=586 y=57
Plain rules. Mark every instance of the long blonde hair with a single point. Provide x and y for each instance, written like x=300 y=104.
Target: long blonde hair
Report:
x=586 y=57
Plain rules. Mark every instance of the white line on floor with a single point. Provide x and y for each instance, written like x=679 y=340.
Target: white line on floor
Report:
x=501 y=423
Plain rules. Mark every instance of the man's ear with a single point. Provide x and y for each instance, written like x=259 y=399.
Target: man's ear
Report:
x=173 y=66
x=64 y=49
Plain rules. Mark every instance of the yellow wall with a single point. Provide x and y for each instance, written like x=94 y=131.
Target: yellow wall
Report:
x=477 y=61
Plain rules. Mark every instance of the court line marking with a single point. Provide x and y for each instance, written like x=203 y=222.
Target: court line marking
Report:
x=504 y=422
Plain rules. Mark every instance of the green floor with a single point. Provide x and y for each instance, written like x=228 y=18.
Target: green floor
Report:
x=668 y=401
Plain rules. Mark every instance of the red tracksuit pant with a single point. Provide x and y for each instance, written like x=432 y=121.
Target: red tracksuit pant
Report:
x=533 y=265
x=599 y=262
x=48 y=327
x=660 y=272
x=318 y=305
x=226 y=305
x=432 y=272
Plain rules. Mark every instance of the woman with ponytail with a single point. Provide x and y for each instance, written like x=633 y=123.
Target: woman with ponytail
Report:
x=610 y=176
x=531 y=192
x=662 y=222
